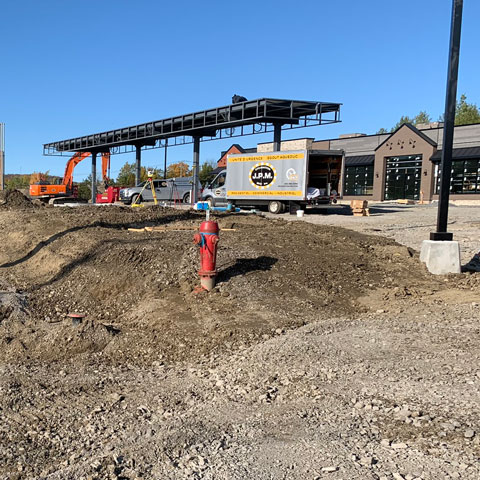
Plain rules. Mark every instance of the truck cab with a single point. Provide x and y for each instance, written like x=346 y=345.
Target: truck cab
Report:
x=215 y=193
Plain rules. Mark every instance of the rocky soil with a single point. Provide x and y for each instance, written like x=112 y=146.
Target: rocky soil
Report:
x=322 y=352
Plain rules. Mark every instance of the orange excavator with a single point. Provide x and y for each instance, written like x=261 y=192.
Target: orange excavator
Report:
x=66 y=189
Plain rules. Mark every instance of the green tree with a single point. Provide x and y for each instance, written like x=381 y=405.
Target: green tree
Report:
x=422 y=117
x=466 y=113
x=403 y=119
x=206 y=171
x=381 y=131
x=126 y=176
x=85 y=188
x=17 y=182
x=157 y=173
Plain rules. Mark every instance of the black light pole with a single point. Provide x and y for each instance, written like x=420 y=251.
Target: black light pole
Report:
x=450 y=102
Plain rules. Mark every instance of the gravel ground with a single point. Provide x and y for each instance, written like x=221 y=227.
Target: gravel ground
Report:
x=323 y=353
x=406 y=224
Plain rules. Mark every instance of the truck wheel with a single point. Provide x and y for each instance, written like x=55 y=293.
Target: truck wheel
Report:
x=276 y=207
x=134 y=199
x=186 y=198
x=210 y=202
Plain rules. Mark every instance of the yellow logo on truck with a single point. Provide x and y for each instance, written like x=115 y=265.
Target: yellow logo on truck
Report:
x=262 y=175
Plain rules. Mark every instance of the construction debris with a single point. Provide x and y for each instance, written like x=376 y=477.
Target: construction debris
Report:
x=173 y=229
x=360 y=208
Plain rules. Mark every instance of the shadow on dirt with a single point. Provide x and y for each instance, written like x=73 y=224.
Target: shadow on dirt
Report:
x=245 y=265
x=473 y=265
x=100 y=224
x=87 y=257
x=345 y=210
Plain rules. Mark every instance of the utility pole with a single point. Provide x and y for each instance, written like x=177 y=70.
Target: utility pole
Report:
x=450 y=103
x=441 y=254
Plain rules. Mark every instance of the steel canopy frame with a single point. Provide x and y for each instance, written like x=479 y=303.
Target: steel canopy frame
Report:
x=235 y=120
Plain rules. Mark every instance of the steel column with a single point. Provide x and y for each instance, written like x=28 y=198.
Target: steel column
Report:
x=196 y=167
x=138 y=163
x=94 y=177
x=277 y=137
x=450 y=103
x=165 y=160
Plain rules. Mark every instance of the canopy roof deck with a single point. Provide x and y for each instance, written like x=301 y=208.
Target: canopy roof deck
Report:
x=245 y=118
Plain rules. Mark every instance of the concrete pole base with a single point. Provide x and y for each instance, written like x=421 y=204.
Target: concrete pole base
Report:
x=441 y=257
x=208 y=283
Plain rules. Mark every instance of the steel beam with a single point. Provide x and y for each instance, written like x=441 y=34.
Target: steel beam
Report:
x=94 y=177
x=207 y=124
x=450 y=103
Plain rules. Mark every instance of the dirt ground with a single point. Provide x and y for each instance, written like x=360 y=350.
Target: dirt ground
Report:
x=323 y=352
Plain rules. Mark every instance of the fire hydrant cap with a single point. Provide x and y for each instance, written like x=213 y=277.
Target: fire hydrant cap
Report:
x=209 y=226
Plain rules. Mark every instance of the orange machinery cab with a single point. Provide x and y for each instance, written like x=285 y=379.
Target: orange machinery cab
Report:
x=41 y=190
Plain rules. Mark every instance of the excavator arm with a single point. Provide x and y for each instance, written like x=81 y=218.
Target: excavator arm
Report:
x=105 y=168
x=71 y=164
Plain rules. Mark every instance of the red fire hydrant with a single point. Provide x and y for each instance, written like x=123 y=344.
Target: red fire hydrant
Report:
x=207 y=240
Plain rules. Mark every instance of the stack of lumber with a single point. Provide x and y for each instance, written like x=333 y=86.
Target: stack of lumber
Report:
x=359 y=208
x=173 y=228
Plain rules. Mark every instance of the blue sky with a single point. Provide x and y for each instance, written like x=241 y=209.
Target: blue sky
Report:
x=69 y=68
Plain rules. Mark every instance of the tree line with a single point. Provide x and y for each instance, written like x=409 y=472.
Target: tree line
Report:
x=465 y=114
x=125 y=177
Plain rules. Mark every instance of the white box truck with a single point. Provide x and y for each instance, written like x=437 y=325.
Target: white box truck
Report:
x=270 y=180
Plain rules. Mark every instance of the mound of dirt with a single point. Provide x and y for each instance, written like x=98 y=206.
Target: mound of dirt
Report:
x=321 y=353
x=14 y=199
x=137 y=287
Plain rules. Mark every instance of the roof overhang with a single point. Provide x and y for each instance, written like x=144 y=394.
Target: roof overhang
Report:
x=466 y=153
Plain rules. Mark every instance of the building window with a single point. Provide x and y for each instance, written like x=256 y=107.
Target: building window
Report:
x=465 y=177
x=403 y=177
x=359 y=180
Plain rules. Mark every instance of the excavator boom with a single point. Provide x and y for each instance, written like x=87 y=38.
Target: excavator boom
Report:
x=105 y=168
x=71 y=164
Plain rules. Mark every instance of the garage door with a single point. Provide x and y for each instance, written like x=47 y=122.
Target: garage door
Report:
x=403 y=176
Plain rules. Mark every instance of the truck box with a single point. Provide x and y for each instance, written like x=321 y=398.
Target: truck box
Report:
x=268 y=176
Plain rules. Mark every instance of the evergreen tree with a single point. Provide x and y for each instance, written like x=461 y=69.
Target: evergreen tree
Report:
x=422 y=117
x=466 y=113
x=205 y=172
